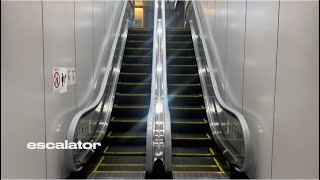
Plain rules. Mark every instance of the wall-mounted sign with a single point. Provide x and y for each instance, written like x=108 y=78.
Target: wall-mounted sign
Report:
x=59 y=80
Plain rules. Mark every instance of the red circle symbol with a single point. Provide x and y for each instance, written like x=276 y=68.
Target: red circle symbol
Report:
x=56 y=79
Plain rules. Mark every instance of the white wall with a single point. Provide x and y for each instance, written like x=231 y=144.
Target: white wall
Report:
x=296 y=121
x=268 y=70
x=36 y=37
x=22 y=90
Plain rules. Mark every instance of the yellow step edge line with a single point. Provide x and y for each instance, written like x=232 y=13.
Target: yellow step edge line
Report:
x=106 y=149
x=129 y=165
x=204 y=119
x=218 y=164
x=208 y=136
x=194 y=165
x=109 y=134
x=119 y=171
x=133 y=94
x=97 y=166
x=133 y=83
x=211 y=150
x=125 y=153
x=197 y=172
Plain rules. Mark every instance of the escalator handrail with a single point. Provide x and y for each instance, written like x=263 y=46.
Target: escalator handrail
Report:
x=70 y=164
x=238 y=115
x=150 y=116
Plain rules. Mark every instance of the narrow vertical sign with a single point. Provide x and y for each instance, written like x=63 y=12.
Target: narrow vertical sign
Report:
x=71 y=76
x=59 y=82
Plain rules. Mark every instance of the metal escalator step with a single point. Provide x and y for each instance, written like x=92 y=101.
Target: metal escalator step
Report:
x=181 y=57
x=179 y=37
x=126 y=135
x=137 y=50
x=197 y=84
x=137 y=59
x=196 y=164
x=135 y=77
x=188 y=75
x=134 y=74
x=187 y=108
x=183 y=79
x=127 y=120
x=136 y=56
x=132 y=94
x=125 y=150
x=189 y=121
x=120 y=163
x=186 y=95
x=123 y=106
x=193 y=151
x=133 y=83
x=139 y=43
x=191 y=136
x=183 y=65
x=121 y=167
x=193 y=161
x=123 y=160
x=117 y=175
x=198 y=175
x=138 y=36
x=132 y=64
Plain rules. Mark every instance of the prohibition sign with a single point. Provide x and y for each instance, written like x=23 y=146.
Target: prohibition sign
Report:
x=56 y=80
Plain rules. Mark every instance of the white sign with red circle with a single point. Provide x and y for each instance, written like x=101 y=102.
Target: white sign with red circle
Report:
x=60 y=82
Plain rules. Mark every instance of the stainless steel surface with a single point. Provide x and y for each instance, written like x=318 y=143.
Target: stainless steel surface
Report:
x=240 y=155
x=150 y=123
x=103 y=103
x=167 y=120
x=159 y=136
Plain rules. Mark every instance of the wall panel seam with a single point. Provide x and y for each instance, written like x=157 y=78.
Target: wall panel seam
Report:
x=44 y=88
x=275 y=87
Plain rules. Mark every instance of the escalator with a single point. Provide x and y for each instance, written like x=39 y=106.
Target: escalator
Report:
x=124 y=147
x=194 y=152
